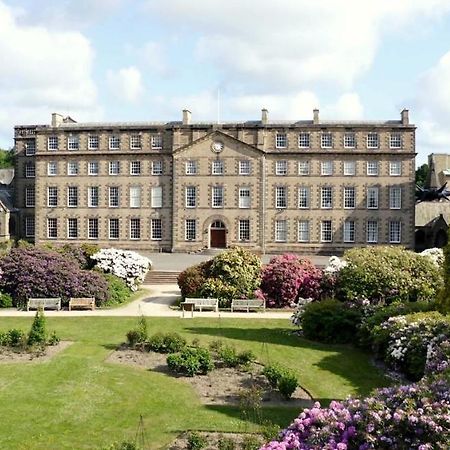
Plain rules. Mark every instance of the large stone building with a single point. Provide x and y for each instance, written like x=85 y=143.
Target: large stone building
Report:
x=307 y=186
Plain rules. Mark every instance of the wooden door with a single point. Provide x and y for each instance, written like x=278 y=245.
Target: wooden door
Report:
x=218 y=238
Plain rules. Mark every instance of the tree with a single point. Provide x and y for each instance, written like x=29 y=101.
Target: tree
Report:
x=422 y=175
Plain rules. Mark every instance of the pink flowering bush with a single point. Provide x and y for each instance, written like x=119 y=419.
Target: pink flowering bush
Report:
x=416 y=416
x=287 y=278
x=34 y=272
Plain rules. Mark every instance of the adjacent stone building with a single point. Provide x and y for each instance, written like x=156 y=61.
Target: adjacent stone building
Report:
x=306 y=186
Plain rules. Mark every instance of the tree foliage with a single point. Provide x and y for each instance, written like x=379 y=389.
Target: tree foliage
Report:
x=6 y=158
x=422 y=175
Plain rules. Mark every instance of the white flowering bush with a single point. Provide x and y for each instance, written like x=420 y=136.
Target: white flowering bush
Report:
x=299 y=310
x=435 y=254
x=410 y=343
x=335 y=264
x=130 y=266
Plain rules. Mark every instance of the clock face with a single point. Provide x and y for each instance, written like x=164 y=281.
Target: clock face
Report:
x=217 y=146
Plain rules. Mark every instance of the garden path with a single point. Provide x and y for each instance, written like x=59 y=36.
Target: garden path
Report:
x=155 y=303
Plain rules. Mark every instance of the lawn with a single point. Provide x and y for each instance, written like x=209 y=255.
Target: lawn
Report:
x=78 y=401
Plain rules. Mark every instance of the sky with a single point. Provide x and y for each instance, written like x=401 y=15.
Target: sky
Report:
x=225 y=60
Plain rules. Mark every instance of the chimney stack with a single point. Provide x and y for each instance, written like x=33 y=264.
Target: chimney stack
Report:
x=405 y=117
x=264 y=116
x=186 y=117
x=315 y=116
x=57 y=119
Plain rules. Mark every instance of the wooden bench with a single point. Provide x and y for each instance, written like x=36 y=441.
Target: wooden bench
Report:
x=42 y=303
x=203 y=303
x=82 y=302
x=248 y=304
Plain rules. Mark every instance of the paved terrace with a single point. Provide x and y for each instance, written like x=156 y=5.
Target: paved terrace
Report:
x=157 y=302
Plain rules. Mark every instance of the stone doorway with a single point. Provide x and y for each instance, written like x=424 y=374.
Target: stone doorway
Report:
x=218 y=235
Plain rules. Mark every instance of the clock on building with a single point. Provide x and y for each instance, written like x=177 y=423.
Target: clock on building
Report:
x=217 y=146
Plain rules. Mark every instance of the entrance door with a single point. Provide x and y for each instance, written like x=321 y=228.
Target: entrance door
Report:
x=218 y=235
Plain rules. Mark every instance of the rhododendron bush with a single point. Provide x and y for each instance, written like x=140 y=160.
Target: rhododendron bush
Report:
x=287 y=278
x=125 y=264
x=34 y=272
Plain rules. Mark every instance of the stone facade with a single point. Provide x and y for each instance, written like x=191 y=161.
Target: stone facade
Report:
x=306 y=186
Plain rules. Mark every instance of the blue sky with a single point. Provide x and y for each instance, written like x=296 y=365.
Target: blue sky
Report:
x=107 y=60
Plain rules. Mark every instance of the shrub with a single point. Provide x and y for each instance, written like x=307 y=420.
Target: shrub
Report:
x=403 y=341
x=250 y=442
x=166 y=343
x=383 y=275
x=5 y=300
x=34 y=272
x=196 y=441
x=14 y=338
x=286 y=278
x=273 y=373
x=379 y=315
x=118 y=291
x=53 y=339
x=191 y=280
x=231 y=358
x=444 y=297
x=130 y=266
x=413 y=417
x=226 y=443
x=330 y=321
x=38 y=333
x=287 y=384
x=72 y=252
x=190 y=361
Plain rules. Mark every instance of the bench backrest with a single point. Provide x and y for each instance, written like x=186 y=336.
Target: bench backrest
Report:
x=45 y=301
x=82 y=300
x=248 y=302
x=203 y=301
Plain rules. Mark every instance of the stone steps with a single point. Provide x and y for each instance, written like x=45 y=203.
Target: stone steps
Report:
x=161 y=277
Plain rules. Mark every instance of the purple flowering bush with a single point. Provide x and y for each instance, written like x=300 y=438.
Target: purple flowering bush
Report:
x=415 y=416
x=35 y=272
x=287 y=278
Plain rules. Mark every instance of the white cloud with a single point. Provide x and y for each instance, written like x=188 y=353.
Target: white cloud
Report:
x=292 y=44
x=347 y=107
x=432 y=108
x=43 y=71
x=126 y=83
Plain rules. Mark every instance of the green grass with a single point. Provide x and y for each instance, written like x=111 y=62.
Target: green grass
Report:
x=78 y=401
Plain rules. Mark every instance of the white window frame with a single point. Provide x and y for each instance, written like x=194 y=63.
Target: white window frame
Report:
x=70 y=228
x=349 y=139
x=190 y=229
x=30 y=147
x=326 y=197
x=304 y=168
x=281 y=230
x=395 y=197
x=114 y=142
x=72 y=196
x=190 y=196
x=304 y=197
x=349 y=168
x=244 y=167
x=93 y=196
x=30 y=170
x=157 y=167
x=93 y=168
x=281 y=167
x=281 y=140
x=114 y=168
x=156 y=197
x=30 y=226
x=217 y=197
x=52 y=228
x=135 y=228
x=373 y=140
x=191 y=167
x=135 y=141
x=135 y=196
x=395 y=168
x=395 y=140
x=52 y=168
x=326 y=231
x=52 y=196
x=217 y=167
x=30 y=196
x=73 y=142
x=372 y=231
x=93 y=228
x=303 y=231
x=157 y=141
x=280 y=197
x=244 y=197
x=373 y=168
x=135 y=168
x=326 y=140
x=73 y=168
x=156 y=229
x=373 y=194
x=93 y=142
x=244 y=230
x=113 y=228
x=349 y=197
x=113 y=196
x=393 y=233
x=326 y=168
x=52 y=143
x=349 y=231
x=304 y=140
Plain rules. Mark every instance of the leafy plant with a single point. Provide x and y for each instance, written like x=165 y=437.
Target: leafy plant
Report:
x=5 y=300
x=287 y=384
x=191 y=361
x=38 y=333
x=118 y=291
x=273 y=373
x=196 y=441
x=15 y=338
x=231 y=358
x=166 y=343
x=53 y=339
x=226 y=443
x=250 y=442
